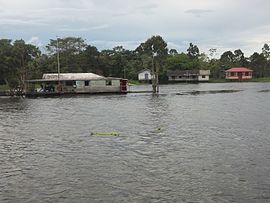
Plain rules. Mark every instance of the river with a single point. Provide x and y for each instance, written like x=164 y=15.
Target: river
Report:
x=179 y=146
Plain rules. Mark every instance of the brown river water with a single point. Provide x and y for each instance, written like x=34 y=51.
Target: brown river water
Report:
x=192 y=143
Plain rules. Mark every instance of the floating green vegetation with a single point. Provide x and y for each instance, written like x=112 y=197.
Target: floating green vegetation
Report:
x=208 y=92
x=105 y=134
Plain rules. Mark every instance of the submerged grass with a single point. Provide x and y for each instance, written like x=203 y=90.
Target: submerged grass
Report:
x=4 y=88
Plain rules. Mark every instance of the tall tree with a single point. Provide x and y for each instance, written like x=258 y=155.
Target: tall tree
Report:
x=70 y=49
x=258 y=63
x=155 y=47
x=90 y=59
x=239 y=58
x=266 y=51
x=7 y=64
x=173 y=52
x=193 y=51
x=227 y=59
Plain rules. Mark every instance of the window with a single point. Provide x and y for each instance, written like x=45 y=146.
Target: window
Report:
x=203 y=76
x=108 y=82
x=180 y=77
x=173 y=77
x=69 y=83
x=232 y=74
x=86 y=83
x=246 y=73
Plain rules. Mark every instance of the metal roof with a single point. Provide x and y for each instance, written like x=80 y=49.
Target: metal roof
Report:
x=146 y=69
x=51 y=77
x=72 y=76
x=239 y=69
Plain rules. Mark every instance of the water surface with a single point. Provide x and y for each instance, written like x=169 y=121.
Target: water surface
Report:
x=207 y=147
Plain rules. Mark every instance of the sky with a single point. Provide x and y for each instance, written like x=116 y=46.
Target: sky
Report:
x=220 y=24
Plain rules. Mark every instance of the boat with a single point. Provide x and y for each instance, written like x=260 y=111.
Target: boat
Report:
x=53 y=84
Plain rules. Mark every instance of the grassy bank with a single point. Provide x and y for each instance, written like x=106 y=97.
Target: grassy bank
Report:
x=134 y=82
x=4 y=88
x=265 y=79
x=217 y=80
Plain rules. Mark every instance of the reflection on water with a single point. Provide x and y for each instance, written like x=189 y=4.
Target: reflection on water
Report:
x=207 y=147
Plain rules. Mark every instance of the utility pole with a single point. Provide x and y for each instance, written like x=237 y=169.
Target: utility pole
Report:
x=58 y=65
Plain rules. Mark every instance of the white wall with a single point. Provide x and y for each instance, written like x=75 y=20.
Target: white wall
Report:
x=200 y=78
x=141 y=76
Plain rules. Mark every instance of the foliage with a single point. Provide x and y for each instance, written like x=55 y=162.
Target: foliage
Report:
x=20 y=61
x=193 y=51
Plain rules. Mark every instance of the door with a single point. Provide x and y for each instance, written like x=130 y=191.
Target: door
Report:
x=123 y=86
x=240 y=75
x=146 y=76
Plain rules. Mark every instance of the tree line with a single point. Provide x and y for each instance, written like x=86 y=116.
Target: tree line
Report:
x=20 y=61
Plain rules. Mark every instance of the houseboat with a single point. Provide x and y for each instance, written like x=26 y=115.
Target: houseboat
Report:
x=74 y=83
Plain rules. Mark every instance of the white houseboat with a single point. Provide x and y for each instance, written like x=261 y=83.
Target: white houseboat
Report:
x=74 y=83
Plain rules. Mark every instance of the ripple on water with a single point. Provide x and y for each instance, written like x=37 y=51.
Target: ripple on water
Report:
x=207 y=147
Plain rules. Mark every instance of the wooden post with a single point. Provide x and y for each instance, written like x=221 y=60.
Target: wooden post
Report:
x=155 y=70
x=153 y=75
x=157 y=73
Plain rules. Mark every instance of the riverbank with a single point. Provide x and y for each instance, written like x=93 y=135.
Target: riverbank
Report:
x=265 y=79
x=5 y=91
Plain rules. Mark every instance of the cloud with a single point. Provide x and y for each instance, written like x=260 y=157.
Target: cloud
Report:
x=198 y=12
x=83 y=29
x=22 y=21
x=207 y=23
x=35 y=41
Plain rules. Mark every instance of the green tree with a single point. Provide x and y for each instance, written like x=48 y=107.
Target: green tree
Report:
x=266 y=51
x=227 y=59
x=8 y=71
x=70 y=50
x=156 y=48
x=90 y=59
x=24 y=55
x=173 y=52
x=193 y=51
x=259 y=64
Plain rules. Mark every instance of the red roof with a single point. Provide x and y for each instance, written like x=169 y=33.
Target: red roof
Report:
x=240 y=69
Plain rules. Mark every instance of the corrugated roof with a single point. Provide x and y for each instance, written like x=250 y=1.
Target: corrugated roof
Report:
x=146 y=69
x=239 y=69
x=72 y=76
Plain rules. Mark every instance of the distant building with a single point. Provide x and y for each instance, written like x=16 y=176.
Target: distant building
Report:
x=145 y=75
x=239 y=74
x=188 y=75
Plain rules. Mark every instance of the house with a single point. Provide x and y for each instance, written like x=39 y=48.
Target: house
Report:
x=75 y=83
x=188 y=75
x=239 y=74
x=145 y=75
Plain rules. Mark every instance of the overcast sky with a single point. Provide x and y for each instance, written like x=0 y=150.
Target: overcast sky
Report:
x=221 y=24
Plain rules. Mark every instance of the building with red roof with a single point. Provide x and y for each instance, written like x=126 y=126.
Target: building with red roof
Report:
x=239 y=74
